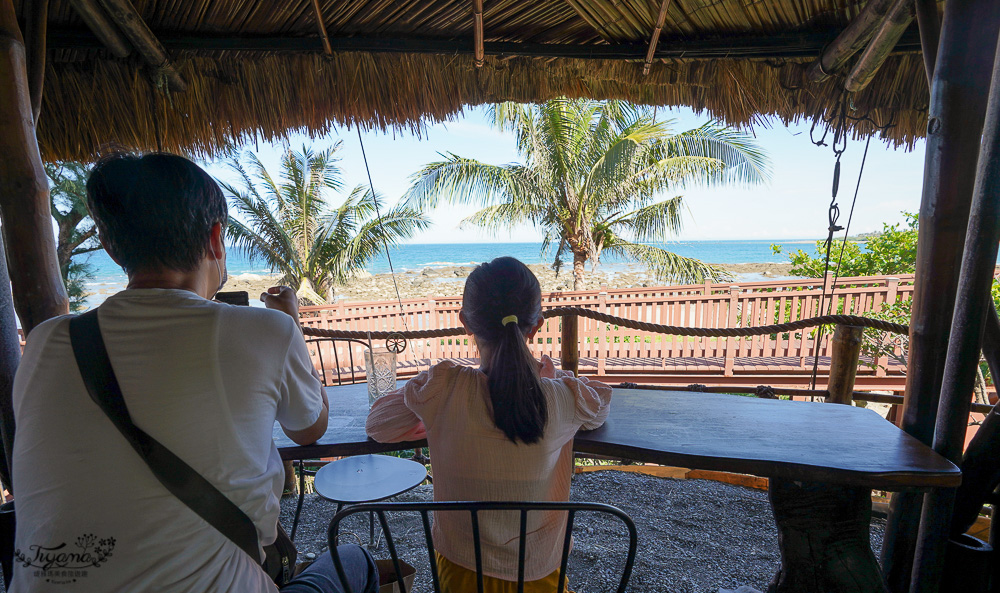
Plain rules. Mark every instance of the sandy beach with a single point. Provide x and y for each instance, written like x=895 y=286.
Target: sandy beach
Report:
x=449 y=280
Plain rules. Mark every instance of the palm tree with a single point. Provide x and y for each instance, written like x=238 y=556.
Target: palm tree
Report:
x=288 y=223
x=590 y=177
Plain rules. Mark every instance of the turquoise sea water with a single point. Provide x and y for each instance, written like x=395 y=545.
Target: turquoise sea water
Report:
x=418 y=256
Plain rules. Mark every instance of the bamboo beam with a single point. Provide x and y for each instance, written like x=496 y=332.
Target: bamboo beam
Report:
x=97 y=21
x=850 y=41
x=966 y=339
x=36 y=19
x=24 y=190
x=930 y=32
x=130 y=22
x=785 y=45
x=660 y=19
x=322 y=29
x=955 y=123
x=895 y=24
x=477 y=32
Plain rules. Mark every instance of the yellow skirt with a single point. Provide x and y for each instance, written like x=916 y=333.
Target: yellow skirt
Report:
x=458 y=579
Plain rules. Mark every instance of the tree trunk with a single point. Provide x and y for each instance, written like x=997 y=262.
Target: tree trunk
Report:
x=24 y=190
x=579 y=259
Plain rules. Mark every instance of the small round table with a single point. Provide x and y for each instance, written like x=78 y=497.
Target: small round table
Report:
x=367 y=478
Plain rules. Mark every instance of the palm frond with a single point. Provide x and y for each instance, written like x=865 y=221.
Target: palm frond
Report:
x=667 y=266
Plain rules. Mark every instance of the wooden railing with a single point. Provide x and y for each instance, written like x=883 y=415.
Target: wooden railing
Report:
x=704 y=305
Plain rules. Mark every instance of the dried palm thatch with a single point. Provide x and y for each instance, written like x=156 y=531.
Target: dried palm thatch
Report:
x=92 y=99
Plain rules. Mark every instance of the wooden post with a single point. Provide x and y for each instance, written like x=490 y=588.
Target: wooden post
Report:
x=930 y=30
x=570 y=344
x=955 y=123
x=964 y=343
x=24 y=190
x=844 y=363
x=10 y=356
x=36 y=17
x=734 y=302
x=602 y=334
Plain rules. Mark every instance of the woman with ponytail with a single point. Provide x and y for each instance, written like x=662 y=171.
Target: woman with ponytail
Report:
x=503 y=431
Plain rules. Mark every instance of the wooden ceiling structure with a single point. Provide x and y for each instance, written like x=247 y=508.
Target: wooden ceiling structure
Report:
x=200 y=75
x=241 y=70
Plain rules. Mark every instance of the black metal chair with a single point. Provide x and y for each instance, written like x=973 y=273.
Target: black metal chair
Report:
x=344 y=376
x=474 y=508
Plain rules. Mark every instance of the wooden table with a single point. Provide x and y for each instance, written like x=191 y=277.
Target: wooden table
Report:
x=833 y=444
x=823 y=461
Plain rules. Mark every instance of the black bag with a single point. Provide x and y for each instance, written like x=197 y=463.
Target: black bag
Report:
x=7 y=529
x=173 y=472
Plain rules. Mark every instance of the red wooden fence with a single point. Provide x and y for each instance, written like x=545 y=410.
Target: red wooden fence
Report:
x=609 y=349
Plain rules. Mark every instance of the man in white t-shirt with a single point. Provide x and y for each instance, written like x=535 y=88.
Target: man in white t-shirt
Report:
x=206 y=380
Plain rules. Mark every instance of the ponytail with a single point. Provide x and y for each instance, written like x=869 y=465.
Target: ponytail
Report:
x=501 y=303
x=519 y=406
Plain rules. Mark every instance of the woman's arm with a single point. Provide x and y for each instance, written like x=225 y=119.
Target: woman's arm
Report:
x=390 y=421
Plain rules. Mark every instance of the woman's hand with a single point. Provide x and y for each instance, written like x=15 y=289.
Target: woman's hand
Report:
x=281 y=298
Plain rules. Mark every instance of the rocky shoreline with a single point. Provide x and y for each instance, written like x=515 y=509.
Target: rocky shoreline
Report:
x=448 y=281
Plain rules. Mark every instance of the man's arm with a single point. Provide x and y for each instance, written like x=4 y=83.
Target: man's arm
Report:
x=283 y=298
x=308 y=436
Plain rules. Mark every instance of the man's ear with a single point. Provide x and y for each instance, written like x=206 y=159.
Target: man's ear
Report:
x=216 y=245
x=461 y=317
x=108 y=251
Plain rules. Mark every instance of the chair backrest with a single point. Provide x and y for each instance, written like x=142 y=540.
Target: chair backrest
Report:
x=329 y=353
x=474 y=508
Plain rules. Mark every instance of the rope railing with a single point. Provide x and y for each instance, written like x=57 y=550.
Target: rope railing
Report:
x=719 y=332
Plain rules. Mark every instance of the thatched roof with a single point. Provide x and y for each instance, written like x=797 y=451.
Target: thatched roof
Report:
x=256 y=69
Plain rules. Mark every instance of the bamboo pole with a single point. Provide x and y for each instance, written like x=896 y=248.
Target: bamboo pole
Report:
x=964 y=343
x=135 y=29
x=477 y=33
x=850 y=41
x=930 y=32
x=955 y=123
x=98 y=22
x=660 y=19
x=844 y=363
x=570 y=344
x=327 y=49
x=36 y=19
x=24 y=190
x=891 y=30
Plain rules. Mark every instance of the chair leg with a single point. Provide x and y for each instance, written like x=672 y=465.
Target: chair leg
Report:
x=302 y=495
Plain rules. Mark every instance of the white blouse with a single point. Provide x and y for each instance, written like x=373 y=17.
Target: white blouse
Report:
x=474 y=460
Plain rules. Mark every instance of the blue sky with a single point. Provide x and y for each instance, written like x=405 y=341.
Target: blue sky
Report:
x=793 y=206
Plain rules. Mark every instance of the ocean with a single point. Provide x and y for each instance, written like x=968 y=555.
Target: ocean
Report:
x=426 y=255
x=108 y=278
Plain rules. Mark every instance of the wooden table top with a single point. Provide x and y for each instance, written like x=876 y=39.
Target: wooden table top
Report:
x=804 y=441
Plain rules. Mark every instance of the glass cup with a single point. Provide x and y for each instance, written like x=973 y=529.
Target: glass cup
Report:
x=380 y=366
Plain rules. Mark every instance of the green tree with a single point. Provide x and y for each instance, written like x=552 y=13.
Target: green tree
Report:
x=590 y=178
x=76 y=234
x=893 y=251
x=288 y=222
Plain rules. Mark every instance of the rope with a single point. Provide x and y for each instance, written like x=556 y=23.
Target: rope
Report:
x=385 y=240
x=717 y=332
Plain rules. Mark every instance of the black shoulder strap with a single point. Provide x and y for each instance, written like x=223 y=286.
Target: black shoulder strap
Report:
x=177 y=476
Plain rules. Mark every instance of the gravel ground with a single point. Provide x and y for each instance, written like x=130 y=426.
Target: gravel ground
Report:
x=695 y=536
